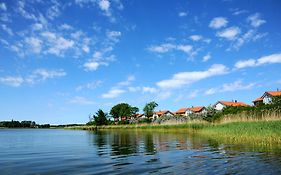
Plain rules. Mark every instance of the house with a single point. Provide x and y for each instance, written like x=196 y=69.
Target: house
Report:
x=182 y=111
x=222 y=104
x=192 y=110
x=197 y=110
x=139 y=116
x=162 y=113
x=266 y=98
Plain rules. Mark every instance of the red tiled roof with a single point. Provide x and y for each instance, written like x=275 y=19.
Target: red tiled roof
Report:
x=181 y=111
x=196 y=109
x=231 y=103
x=274 y=93
x=162 y=112
x=258 y=99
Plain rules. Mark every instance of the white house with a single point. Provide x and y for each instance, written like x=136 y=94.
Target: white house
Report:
x=266 y=98
x=192 y=110
x=222 y=104
x=162 y=113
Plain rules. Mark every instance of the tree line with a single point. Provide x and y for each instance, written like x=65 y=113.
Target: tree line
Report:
x=22 y=124
x=121 y=113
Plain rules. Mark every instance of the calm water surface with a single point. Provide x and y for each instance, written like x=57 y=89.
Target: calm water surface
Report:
x=47 y=151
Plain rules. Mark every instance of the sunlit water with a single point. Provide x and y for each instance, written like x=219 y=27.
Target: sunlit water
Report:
x=47 y=151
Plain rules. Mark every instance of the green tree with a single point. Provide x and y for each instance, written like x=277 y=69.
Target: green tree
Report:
x=149 y=108
x=100 y=118
x=276 y=100
x=123 y=110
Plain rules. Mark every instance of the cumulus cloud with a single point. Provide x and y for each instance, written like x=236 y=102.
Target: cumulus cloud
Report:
x=270 y=59
x=255 y=20
x=230 y=87
x=98 y=59
x=182 y=14
x=206 y=57
x=35 y=44
x=113 y=93
x=57 y=44
x=81 y=101
x=14 y=81
x=196 y=37
x=3 y=6
x=229 y=33
x=218 y=22
x=91 y=85
x=36 y=76
x=185 y=78
x=167 y=47
x=7 y=29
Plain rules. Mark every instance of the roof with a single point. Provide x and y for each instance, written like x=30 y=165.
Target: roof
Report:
x=258 y=99
x=196 y=109
x=162 y=112
x=181 y=111
x=232 y=103
x=274 y=93
x=139 y=115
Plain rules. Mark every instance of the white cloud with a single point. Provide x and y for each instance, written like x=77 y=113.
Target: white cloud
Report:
x=113 y=35
x=57 y=44
x=245 y=63
x=196 y=37
x=149 y=89
x=37 y=26
x=270 y=59
x=229 y=33
x=230 y=87
x=98 y=60
x=104 y=5
x=182 y=14
x=3 y=6
x=163 y=48
x=44 y=74
x=7 y=29
x=81 y=101
x=255 y=20
x=185 y=78
x=35 y=44
x=91 y=85
x=167 y=47
x=12 y=81
x=218 y=22
x=113 y=93
x=65 y=26
x=53 y=11
x=127 y=82
x=206 y=57
x=21 y=10
x=239 y=12
x=91 y=65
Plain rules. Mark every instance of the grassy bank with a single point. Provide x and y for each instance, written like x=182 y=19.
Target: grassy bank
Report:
x=259 y=132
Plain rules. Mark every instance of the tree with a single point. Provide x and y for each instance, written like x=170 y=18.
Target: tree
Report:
x=149 y=108
x=123 y=110
x=100 y=118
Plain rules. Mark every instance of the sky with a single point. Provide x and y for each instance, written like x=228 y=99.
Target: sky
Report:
x=62 y=60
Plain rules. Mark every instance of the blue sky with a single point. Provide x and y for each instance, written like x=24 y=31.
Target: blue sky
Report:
x=62 y=60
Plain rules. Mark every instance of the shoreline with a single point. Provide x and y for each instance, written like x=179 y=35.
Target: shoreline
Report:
x=260 y=132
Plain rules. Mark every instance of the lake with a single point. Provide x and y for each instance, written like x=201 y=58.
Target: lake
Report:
x=55 y=151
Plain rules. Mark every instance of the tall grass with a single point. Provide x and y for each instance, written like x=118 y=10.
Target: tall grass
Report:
x=266 y=115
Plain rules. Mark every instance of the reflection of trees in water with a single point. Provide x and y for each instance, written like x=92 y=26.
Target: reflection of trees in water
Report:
x=124 y=143
x=148 y=143
x=100 y=140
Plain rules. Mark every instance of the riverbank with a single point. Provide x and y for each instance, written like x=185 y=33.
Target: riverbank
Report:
x=259 y=132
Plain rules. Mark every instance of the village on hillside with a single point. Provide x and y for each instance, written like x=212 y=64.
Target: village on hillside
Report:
x=266 y=98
